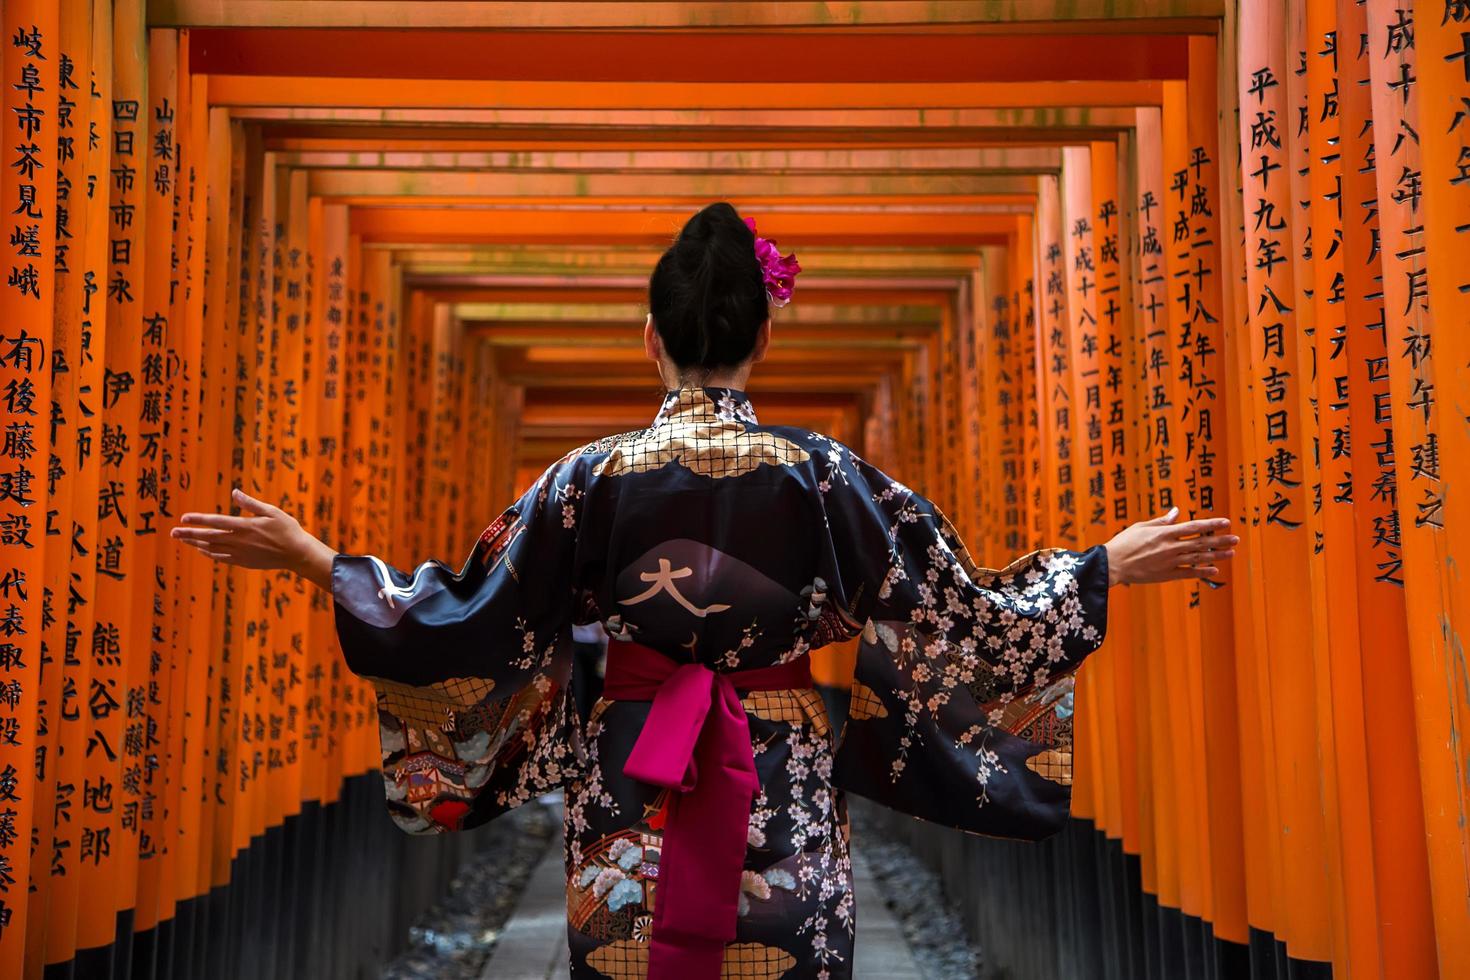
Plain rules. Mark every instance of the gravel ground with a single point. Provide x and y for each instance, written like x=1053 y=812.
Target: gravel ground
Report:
x=453 y=939
x=936 y=935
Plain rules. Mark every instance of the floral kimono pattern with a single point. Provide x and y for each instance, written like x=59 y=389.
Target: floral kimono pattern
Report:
x=711 y=538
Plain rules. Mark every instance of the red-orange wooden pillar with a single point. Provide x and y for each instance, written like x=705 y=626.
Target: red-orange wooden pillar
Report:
x=1443 y=66
x=1420 y=421
x=1303 y=917
x=27 y=351
x=146 y=724
x=64 y=669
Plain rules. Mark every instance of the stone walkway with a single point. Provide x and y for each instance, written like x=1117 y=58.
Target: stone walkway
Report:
x=533 y=945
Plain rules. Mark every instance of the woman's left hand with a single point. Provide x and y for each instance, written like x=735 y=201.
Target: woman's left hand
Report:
x=263 y=537
x=1160 y=550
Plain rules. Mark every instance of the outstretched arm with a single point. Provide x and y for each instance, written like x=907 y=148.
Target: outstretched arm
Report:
x=263 y=537
x=962 y=708
x=468 y=663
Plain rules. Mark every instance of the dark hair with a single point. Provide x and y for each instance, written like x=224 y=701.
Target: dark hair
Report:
x=708 y=292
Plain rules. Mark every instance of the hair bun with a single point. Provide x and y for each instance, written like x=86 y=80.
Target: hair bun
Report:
x=707 y=293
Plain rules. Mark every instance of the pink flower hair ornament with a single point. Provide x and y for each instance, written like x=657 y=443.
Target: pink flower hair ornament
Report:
x=779 y=270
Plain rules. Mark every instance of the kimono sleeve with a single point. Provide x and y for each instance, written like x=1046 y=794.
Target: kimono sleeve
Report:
x=470 y=666
x=961 y=709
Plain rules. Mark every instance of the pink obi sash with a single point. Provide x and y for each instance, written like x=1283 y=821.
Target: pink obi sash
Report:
x=696 y=742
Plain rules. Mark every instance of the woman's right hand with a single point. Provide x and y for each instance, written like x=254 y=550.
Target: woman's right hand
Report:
x=263 y=537
x=1159 y=550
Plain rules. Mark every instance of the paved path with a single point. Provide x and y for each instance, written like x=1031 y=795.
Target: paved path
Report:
x=534 y=943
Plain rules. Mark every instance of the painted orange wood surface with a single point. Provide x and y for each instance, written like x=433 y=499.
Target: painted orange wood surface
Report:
x=29 y=349
x=1212 y=261
x=67 y=668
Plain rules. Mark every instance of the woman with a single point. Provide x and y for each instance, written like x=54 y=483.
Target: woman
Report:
x=705 y=822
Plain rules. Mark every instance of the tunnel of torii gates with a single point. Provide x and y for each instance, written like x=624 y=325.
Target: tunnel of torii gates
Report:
x=1065 y=265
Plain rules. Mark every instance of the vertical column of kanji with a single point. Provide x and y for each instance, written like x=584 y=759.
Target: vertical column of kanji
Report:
x=944 y=376
x=194 y=484
x=215 y=443
x=958 y=313
x=1080 y=258
x=1018 y=371
x=1308 y=247
x=1009 y=488
x=1178 y=468
x=291 y=602
x=1133 y=725
x=171 y=162
x=262 y=480
x=1159 y=848
x=928 y=398
x=450 y=367
x=1095 y=762
x=1284 y=540
x=1340 y=684
x=235 y=705
x=477 y=464
x=1259 y=806
x=1294 y=132
x=500 y=450
x=364 y=448
x=1399 y=867
x=959 y=477
x=1103 y=679
x=1419 y=423
x=368 y=473
x=417 y=455
x=977 y=509
x=979 y=404
x=58 y=659
x=481 y=460
x=974 y=507
x=1153 y=312
x=1054 y=395
x=259 y=473
x=1113 y=320
x=296 y=484
x=153 y=254
x=955 y=465
x=878 y=430
x=277 y=587
x=1202 y=347
x=1084 y=432
x=354 y=486
x=390 y=433
x=109 y=857
x=1443 y=65
x=386 y=369
x=315 y=467
x=912 y=405
x=329 y=368
x=917 y=387
x=455 y=530
x=1022 y=252
x=1126 y=607
x=1444 y=70
x=51 y=919
x=987 y=326
x=131 y=256
x=1261 y=838
x=27 y=355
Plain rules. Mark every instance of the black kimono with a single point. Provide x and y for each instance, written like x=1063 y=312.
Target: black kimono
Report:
x=710 y=538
